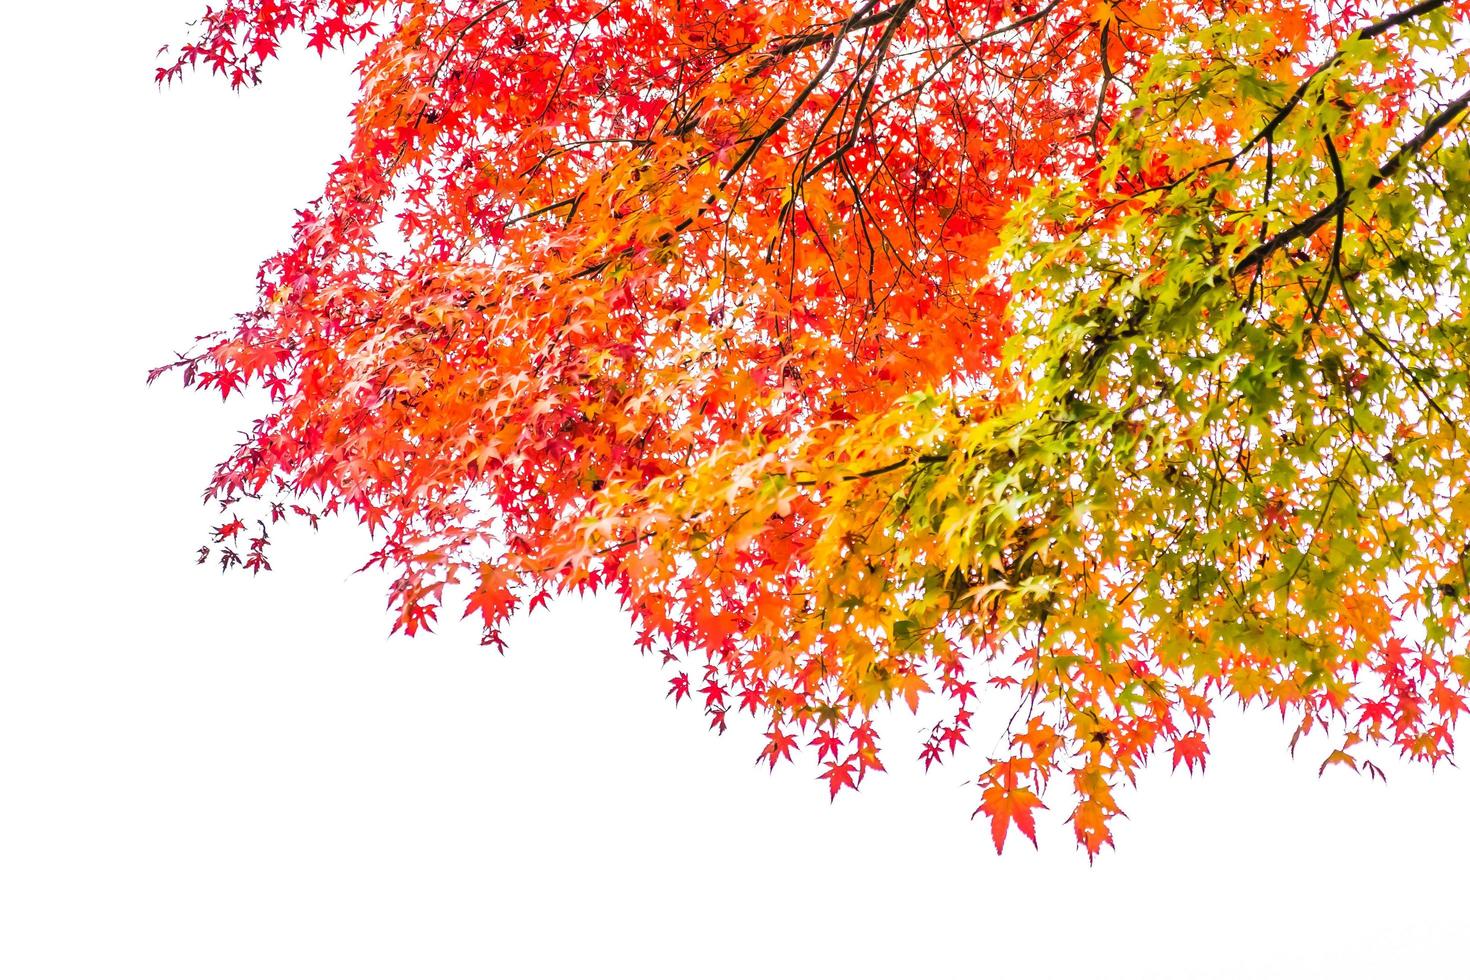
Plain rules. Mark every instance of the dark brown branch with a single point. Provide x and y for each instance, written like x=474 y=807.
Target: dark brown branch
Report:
x=925 y=459
x=1313 y=223
x=790 y=112
x=1267 y=132
x=864 y=21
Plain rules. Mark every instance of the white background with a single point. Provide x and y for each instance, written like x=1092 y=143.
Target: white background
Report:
x=206 y=776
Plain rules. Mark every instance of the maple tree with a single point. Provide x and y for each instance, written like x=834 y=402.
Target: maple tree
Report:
x=1105 y=358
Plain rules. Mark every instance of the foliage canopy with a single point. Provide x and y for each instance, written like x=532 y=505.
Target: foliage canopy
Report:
x=1105 y=358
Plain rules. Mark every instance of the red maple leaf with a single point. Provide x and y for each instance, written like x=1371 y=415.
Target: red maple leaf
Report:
x=839 y=775
x=1190 y=749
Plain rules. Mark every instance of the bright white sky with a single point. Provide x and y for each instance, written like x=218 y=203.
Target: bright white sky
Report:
x=206 y=776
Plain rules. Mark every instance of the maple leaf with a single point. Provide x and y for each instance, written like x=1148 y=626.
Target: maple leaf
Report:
x=1190 y=749
x=1006 y=806
x=779 y=746
x=1090 y=823
x=230 y=529
x=1448 y=701
x=1338 y=758
x=929 y=754
x=493 y=598
x=839 y=775
x=953 y=737
x=827 y=743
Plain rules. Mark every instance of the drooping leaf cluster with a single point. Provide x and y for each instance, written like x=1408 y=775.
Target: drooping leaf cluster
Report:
x=1108 y=359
